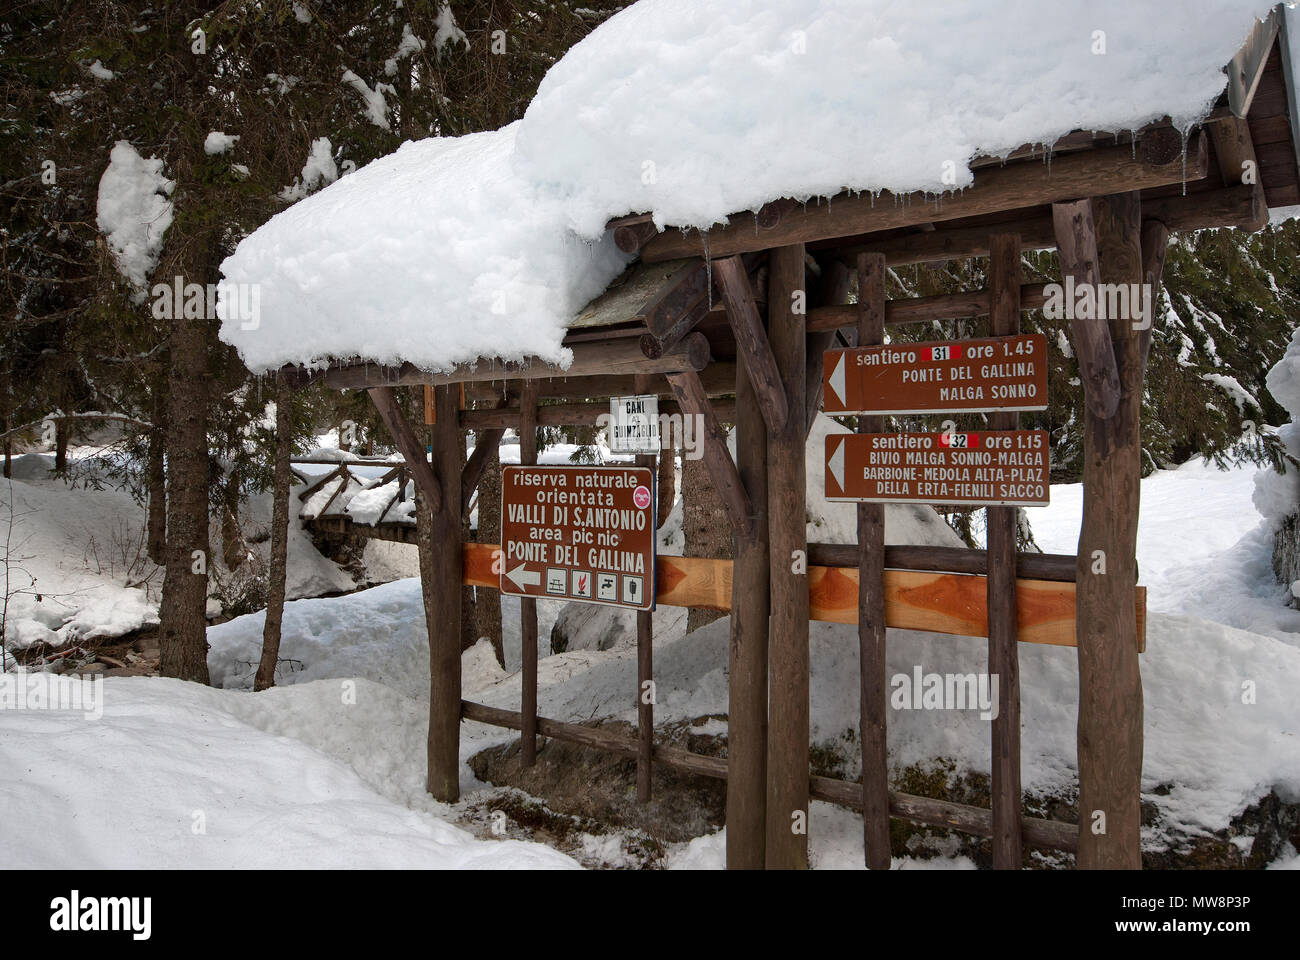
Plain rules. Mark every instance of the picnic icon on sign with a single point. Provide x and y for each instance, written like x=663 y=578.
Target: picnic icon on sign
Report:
x=632 y=590
x=555 y=577
x=581 y=584
x=607 y=586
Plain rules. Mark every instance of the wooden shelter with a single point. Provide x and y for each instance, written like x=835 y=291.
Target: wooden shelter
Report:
x=714 y=323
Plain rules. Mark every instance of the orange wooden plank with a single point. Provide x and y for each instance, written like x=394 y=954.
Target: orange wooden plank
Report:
x=949 y=603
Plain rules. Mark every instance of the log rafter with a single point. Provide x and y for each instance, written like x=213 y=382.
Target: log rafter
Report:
x=385 y=401
x=751 y=340
x=1084 y=174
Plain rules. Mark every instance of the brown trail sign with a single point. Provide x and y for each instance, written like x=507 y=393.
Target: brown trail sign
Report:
x=991 y=467
x=579 y=533
x=996 y=373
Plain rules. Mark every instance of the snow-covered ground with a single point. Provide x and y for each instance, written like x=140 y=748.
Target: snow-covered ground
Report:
x=1203 y=550
x=328 y=769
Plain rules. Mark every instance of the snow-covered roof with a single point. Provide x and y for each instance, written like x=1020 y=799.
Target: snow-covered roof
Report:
x=490 y=244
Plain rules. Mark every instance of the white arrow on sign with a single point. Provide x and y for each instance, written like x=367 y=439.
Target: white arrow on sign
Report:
x=523 y=577
x=836 y=462
x=836 y=380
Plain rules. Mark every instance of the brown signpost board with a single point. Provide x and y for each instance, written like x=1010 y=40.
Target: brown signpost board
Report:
x=991 y=467
x=585 y=534
x=996 y=373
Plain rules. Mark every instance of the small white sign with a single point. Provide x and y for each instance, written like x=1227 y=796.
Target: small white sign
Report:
x=634 y=424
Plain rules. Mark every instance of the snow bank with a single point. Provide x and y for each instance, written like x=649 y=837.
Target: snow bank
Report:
x=486 y=245
x=166 y=756
x=1277 y=495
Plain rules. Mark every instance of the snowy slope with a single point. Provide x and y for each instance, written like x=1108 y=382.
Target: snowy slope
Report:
x=175 y=775
x=1209 y=753
x=84 y=547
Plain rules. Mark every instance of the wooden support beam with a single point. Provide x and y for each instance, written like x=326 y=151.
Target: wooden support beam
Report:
x=942 y=306
x=385 y=401
x=675 y=299
x=1110 y=684
x=717 y=458
x=487 y=442
x=1004 y=661
x=1242 y=207
x=528 y=605
x=751 y=340
x=1059 y=567
x=620 y=356
x=340 y=471
x=747 y=654
x=1234 y=149
x=718 y=378
x=645 y=685
x=949 y=603
x=578 y=414
x=1049 y=834
x=873 y=683
x=1025 y=184
x=441 y=574
x=832 y=290
x=1076 y=241
x=788 y=708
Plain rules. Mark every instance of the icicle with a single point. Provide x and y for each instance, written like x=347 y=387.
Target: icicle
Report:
x=708 y=269
x=1184 y=134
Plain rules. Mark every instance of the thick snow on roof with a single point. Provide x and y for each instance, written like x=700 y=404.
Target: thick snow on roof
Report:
x=487 y=245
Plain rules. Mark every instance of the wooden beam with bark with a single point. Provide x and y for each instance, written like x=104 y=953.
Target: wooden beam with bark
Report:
x=788 y=655
x=1076 y=240
x=717 y=458
x=1110 y=683
x=1025 y=184
x=385 y=401
x=1242 y=207
x=613 y=357
x=941 y=306
x=751 y=340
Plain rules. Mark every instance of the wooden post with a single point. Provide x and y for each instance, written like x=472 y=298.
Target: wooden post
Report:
x=1004 y=659
x=874 y=685
x=645 y=709
x=527 y=605
x=788 y=720
x=442 y=608
x=1110 y=683
x=747 y=658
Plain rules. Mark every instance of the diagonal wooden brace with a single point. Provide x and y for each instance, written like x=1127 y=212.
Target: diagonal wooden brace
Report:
x=690 y=395
x=751 y=341
x=385 y=401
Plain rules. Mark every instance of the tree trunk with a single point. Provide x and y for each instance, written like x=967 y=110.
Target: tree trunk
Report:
x=706 y=527
x=156 y=479
x=62 y=428
x=182 y=631
x=279 y=541
x=234 y=551
x=487 y=609
x=8 y=445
